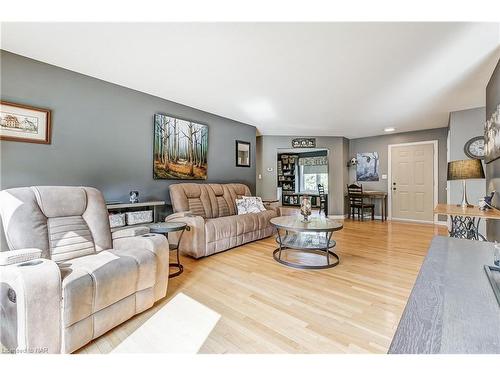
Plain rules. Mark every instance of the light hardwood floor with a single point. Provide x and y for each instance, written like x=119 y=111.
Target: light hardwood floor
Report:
x=269 y=308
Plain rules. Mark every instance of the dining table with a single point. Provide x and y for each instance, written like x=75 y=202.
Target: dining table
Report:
x=381 y=196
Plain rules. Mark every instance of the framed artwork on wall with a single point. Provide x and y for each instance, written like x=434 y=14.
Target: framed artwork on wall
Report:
x=180 y=149
x=492 y=137
x=304 y=142
x=23 y=123
x=242 y=154
x=367 y=166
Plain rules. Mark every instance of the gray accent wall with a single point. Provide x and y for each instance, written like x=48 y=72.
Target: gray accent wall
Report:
x=102 y=134
x=380 y=144
x=267 y=150
x=465 y=125
x=493 y=168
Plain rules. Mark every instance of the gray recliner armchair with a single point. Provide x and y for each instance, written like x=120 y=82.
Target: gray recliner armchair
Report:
x=65 y=279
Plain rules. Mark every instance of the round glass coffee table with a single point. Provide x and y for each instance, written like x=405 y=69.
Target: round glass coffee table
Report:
x=306 y=245
x=166 y=228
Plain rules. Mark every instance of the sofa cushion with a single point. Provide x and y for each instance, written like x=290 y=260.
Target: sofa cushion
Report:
x=236 y=225
x=191 y=197
x=207 y=200
x=233 y=192
x=219 y=200
x=93 y=282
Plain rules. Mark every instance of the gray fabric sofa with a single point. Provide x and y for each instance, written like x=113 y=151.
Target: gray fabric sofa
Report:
x=65 y=280
x=211 y=214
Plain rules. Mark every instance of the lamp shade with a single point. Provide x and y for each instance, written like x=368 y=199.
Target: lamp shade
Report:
x=465 y=169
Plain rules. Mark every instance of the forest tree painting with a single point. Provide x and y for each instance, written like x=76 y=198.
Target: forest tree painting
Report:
x=180 y=149
x=367 y=167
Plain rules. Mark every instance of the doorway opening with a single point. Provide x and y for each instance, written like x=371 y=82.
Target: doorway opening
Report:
x=299 y=172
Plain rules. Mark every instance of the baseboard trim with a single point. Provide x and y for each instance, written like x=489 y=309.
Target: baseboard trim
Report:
x=440 y=222
x=337 y=217
x=413 y=221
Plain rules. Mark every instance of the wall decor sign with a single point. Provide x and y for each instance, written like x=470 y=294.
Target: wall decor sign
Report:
x=242 y=154
x=304 y=142
x=367 y=167
x=23 y=123
x=180 y=149
x=492 y=137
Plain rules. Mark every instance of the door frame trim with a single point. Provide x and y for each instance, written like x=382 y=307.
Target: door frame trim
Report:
x=435 y=143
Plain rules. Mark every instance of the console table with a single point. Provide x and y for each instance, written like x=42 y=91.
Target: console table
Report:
x=465 y=220
x=125 y=207
x=452 y=307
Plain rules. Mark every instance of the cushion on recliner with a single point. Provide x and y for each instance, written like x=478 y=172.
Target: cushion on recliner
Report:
x=93 y=282
x=56 y=201
x=69 y=237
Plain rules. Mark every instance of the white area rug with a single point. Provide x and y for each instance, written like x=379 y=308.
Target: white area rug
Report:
x=181 y=326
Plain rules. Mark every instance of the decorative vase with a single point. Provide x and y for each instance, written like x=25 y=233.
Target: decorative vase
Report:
x=134 y=197
x=305 y=207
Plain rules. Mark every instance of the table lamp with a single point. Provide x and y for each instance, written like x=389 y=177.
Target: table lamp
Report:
x=465 y=170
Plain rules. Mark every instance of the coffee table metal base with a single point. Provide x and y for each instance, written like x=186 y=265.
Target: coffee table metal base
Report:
x=276 y=256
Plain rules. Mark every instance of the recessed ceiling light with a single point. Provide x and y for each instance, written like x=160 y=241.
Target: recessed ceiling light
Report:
x=389 y=129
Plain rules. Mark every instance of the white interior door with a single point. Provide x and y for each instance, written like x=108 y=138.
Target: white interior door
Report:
x=412 y=184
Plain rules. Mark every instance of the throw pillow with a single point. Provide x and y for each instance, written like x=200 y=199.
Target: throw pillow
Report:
x=247 y=206
x=256 y=201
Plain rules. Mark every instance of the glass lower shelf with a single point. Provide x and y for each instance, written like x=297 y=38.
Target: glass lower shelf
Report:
x=305 y=241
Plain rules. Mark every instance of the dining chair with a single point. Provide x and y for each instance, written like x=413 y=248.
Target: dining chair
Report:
x=322 y=200
x=356 y=202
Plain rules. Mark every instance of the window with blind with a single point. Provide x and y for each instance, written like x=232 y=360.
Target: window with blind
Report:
x=312 y=175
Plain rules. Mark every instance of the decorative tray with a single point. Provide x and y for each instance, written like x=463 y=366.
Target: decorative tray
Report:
x=493 y=274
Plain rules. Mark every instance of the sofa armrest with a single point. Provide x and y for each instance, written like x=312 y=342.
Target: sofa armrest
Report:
x=193 y=241
x=30 y=296
x=129 y=232
x=179 y=215
x=156 y=244
x=19 y=256
x=273 y=206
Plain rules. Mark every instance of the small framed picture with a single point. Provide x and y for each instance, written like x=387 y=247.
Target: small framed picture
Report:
x=242 y=154
x=24 y=123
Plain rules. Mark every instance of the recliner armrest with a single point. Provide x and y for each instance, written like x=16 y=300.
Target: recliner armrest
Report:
x=129 y=232
x=273 y=206
x=19 y=256
x=31 y=303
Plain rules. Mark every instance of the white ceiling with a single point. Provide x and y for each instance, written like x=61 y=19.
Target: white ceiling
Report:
x=339 y=79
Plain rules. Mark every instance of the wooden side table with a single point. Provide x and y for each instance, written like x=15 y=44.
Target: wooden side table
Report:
x=165 y=229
